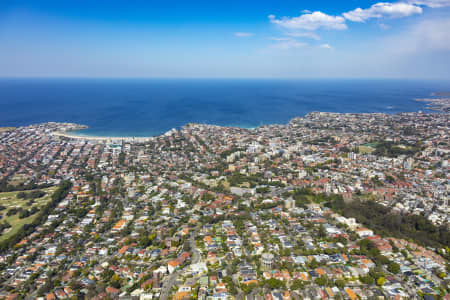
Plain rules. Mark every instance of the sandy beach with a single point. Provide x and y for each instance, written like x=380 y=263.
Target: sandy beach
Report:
x=103 y=138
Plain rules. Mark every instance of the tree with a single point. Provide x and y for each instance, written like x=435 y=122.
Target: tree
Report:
x=297 y=284
x=148 y=287
x=247 y=288
x=367 y=280
x=322 y=281
x=275 y=283
x=394 y=267
x=381 y=260
x=230 y=284
x=342 y=240
x=115 y=281
x=313 y=264
x=386 y=222
x=381 y=281
x=322 y=233
x=122 y=158
x=340 y=283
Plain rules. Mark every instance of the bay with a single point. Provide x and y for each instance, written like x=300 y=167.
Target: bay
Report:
x=149 y=107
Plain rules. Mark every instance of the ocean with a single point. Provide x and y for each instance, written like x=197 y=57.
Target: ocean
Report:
x=149 y=107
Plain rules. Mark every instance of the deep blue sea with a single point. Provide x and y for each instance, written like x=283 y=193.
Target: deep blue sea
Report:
x=148 y=107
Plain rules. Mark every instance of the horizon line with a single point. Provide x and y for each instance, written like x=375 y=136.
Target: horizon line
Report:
x=221 y=78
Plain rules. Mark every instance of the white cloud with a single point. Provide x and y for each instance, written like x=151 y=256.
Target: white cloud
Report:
x=280 y=39
x=383 y=9
x=310 y=35
x=384 y=26
x=326 y=46
x=287 y=43
x=429 y=35
x=431 y=3
x=243 y=34
x=311 y=21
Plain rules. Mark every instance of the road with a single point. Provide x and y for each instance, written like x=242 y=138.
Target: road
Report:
x=195 y=253
x=170 y=281
x=168 y=284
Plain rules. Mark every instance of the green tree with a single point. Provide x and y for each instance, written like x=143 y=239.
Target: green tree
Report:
x=340 y=283
x=247 y=288
x=322 y=281
x=394 y=267
x=275 y=283
x=297 y=284
x=366 y=280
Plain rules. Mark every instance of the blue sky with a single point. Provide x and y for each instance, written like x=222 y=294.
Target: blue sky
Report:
x=225 y=39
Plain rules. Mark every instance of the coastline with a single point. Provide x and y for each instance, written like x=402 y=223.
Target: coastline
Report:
x=3 y=129
x=102 y=138
x=434 y=104
x=155 y=108
x=70 y=134
x=438 y=104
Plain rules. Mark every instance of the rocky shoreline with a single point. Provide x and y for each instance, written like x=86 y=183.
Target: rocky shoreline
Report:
x=439 y=104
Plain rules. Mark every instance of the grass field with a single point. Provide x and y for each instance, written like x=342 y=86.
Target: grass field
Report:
x=10 y=200
x=365 y=149
x=371 y=145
